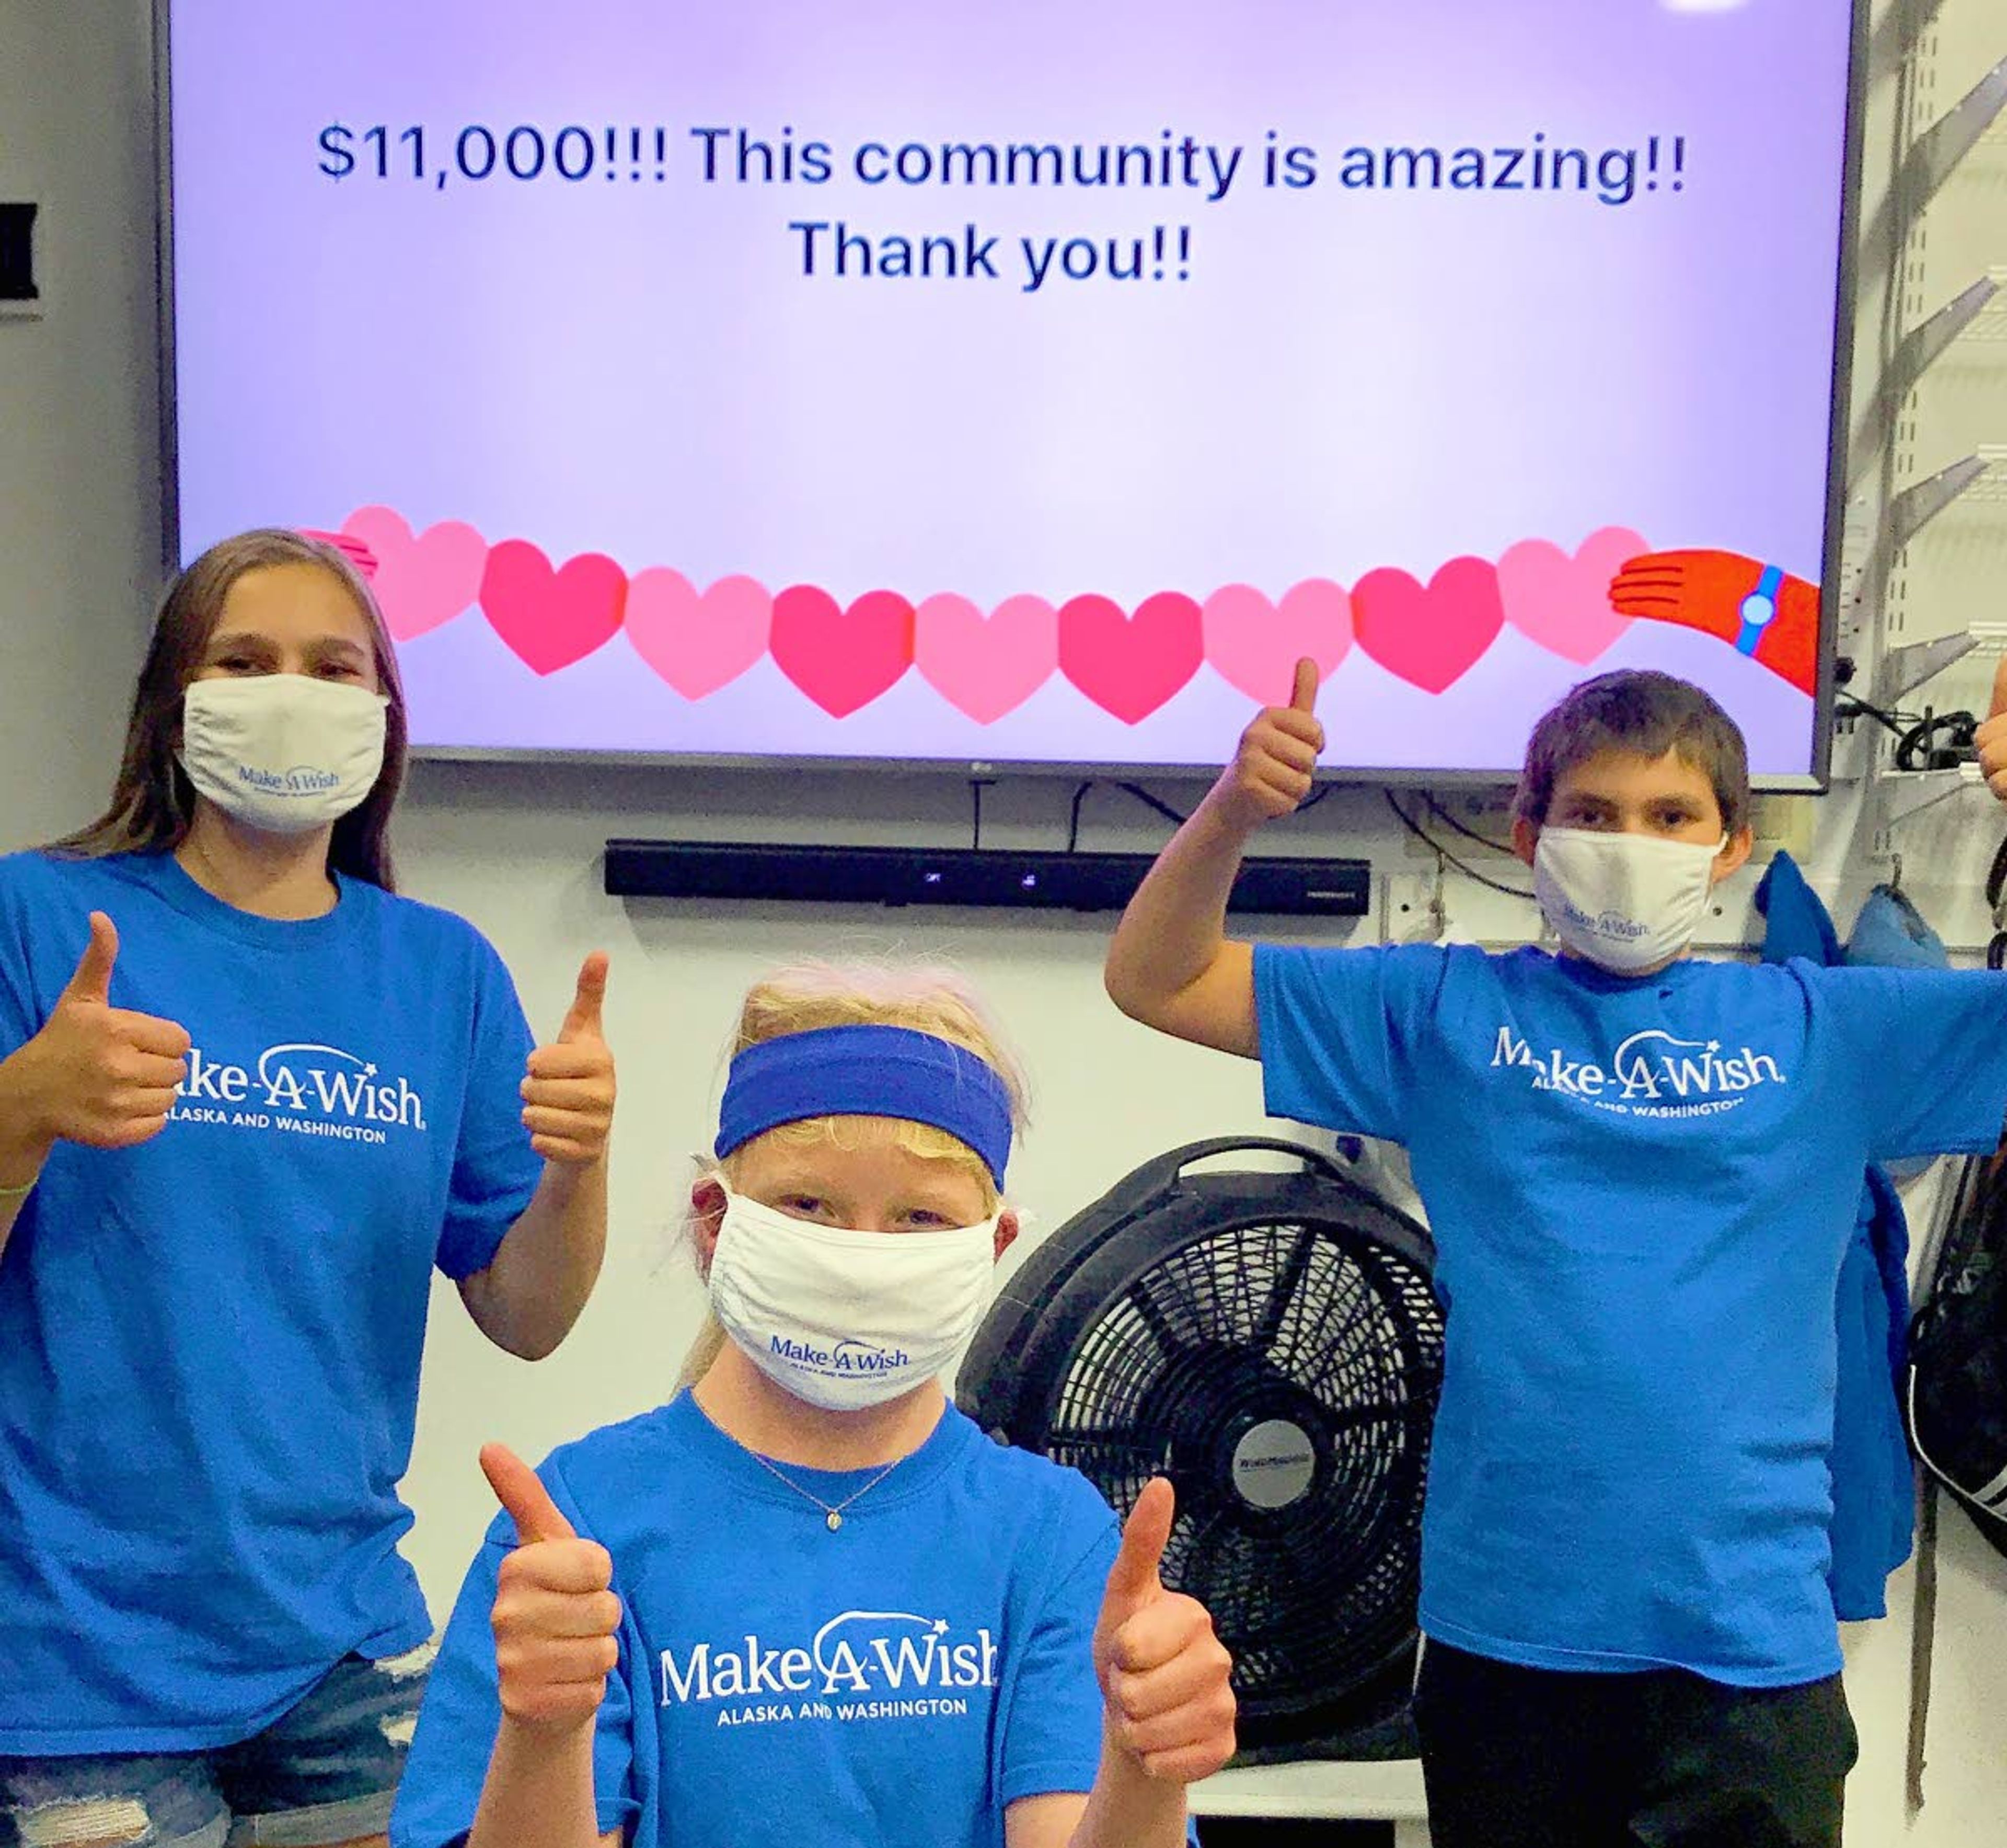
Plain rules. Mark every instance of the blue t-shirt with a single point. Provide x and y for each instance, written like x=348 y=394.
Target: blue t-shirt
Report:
x=1641 y=1190
x=893 y=1684
x=210 y=1343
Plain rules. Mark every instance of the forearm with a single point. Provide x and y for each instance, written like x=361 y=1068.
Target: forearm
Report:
x=538 y=1791
x=1127 y=1809
x=1171 y=942
x=23 y=1145
x=528 y=1298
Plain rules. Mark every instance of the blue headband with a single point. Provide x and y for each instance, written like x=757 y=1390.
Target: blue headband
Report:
x=867 y=1071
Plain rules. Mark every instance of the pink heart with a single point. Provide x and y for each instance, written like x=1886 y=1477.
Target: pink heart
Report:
x=1129 y=665
x=550 y=619
x=697 y=643
x=420 y=582
x=1563 y=603
x=1429 y=635
x=985 y=666
x=1255 y=645
x=841 y=658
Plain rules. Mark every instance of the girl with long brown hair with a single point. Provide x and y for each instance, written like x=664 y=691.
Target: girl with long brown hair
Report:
x=249 y=1099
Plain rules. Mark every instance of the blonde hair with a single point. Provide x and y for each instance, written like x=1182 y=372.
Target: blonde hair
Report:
x=929 y=998
x=153 y=801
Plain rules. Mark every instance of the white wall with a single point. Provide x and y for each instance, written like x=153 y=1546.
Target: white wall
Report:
x=516 y=849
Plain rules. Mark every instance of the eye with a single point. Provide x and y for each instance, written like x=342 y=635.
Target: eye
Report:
x=925 y=1219
x=237 y=664
x=801 y=1206
x=338 y=670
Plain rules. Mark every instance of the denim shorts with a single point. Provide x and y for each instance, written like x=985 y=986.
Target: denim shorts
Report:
x=324 y=1772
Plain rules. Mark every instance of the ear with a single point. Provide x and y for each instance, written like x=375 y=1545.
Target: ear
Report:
x=707 y=1215
x=1732 y=856
x=1006 y=1231
x=1525 y=837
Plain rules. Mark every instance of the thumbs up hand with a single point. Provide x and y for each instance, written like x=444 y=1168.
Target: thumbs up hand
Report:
x=556 y=1619
x=1991 y=736
x=568 y=1087
x=1270 y=775
x=1164 y=1675
x=98 y=1074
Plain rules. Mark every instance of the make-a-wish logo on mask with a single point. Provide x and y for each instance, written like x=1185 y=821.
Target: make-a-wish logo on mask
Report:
x=861 y=1665
x=848 y=1359
x=1651 y=1073
x=302 y=1088
x=302 y=779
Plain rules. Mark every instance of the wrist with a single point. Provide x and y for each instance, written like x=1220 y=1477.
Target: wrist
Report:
x=1227 y=818
x=24 y=1148
x=1123 y=1783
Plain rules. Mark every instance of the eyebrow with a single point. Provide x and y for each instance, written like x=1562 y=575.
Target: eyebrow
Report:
x=254 y=638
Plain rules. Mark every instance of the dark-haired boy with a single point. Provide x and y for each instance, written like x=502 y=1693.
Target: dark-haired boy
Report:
x=1642 y=1172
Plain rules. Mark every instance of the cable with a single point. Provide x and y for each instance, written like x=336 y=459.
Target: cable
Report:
x=1996 y=887
x=1922 y=737
x=1436 y=847
x=1149 y=801
x=1135 y=789
x=1073 y=823
x=1471 y=833
x=1897 y=722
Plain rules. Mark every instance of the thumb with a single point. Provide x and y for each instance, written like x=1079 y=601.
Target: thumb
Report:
x=92 y=980
x=1133 y=1580
x=520 y=1491
x=582 y=1021
x=1303 y=696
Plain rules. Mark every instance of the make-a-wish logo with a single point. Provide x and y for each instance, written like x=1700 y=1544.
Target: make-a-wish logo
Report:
x=1613 y=926
x=1651 y=1073
x=849 y=1359
x=302 y=779
x=304 y=1087
x=860 y=1665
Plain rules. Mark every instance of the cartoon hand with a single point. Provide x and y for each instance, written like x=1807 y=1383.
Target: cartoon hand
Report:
x=1759 y=609
x=568 y=1086
x=102 y=1076
x=555 y=1618
x=1163 y=1674
x=1991 y=737
x=1271 y=771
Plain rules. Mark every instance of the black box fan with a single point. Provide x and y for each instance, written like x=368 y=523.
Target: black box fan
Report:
x=1270 y=1341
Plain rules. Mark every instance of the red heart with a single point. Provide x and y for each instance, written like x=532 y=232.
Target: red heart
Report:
x=550 y=619
x=841 y=658
x=1129 y=665
x=1429 y=636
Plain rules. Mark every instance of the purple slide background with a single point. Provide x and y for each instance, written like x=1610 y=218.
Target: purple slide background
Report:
x=1345 y=380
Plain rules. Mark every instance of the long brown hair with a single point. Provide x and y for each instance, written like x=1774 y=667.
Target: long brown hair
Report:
x=152 y=802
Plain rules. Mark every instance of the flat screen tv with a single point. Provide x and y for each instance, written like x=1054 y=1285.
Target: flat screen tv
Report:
x=941 y=382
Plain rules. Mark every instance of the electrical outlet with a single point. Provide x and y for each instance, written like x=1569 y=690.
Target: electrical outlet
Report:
x=1783 y=824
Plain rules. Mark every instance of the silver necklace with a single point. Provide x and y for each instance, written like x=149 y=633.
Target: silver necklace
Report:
x=832 y=1511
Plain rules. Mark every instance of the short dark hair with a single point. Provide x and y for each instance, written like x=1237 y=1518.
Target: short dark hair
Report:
x=1645 y=712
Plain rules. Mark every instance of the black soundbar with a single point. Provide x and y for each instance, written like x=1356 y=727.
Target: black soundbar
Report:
x=1081 y=882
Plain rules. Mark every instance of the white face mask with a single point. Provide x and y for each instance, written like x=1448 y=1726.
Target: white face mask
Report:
x=1628 y=902
x=847 y=1320
x=282 y=753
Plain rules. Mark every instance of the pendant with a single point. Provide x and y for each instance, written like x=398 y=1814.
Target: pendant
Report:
x=835 y=1520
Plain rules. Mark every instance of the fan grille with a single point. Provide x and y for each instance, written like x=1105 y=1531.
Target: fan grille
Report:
x=1309 y=1326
